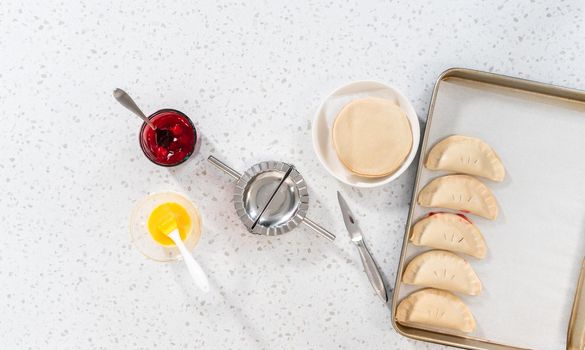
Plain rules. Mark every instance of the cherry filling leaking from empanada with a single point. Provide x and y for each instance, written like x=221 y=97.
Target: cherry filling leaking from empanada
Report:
x=448 y=231
x=459 y=192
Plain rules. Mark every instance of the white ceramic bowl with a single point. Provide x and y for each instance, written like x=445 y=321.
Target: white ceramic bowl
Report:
x=323 y=122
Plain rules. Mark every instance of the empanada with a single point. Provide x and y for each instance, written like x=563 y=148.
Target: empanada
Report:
x=435 y=308
x=444 y=270
x=459 y=192
x=449 y=231
x=468 y=155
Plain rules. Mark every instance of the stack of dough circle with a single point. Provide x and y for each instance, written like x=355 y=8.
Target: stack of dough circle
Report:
x=372 y=137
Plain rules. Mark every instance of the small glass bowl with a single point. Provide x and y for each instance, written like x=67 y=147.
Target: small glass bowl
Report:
x=143 y=143
x=140 y=236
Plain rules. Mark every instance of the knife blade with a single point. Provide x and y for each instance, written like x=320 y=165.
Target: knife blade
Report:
x=355 y=233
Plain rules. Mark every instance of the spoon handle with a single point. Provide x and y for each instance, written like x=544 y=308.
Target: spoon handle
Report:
x=127 y=101
x=194 y=268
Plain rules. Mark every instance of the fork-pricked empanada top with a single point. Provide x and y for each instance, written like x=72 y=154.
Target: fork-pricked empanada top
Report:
x=467 y=155
x=435 y=308
x=443 y=270
x=459 y=192
x=451 y=232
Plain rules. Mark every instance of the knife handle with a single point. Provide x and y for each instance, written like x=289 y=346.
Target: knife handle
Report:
x=372 y=271
x=576 y=333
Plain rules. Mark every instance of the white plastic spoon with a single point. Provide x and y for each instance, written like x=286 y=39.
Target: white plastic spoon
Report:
x=194 y=268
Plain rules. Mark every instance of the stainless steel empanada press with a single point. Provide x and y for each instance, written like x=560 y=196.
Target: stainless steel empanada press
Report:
x=271 y=198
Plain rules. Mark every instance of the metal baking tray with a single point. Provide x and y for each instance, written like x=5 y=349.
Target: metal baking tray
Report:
x=536 y=245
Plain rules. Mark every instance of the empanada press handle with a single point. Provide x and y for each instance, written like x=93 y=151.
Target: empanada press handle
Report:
x=317 y=228
x=576 y=333
x=224 y=167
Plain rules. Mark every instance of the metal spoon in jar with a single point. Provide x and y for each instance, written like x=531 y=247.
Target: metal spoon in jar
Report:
x=163 y=136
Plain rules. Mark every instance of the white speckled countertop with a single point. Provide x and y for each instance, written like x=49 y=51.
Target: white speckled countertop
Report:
x=250 y=74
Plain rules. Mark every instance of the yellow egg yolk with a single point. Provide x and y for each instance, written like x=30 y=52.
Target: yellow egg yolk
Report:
x=162 y=213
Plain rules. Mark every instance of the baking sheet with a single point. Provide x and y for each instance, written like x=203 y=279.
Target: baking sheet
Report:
x=536 y=245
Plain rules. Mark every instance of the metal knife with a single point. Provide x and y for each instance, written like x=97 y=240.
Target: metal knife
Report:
x=576 y=333
x=357 y=238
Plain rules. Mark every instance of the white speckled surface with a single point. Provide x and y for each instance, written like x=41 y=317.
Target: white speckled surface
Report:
x=251 y=75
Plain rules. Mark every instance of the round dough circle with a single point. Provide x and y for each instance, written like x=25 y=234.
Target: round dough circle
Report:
x=372 y=137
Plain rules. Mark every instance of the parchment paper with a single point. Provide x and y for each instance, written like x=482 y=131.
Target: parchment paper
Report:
x=536 y=245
